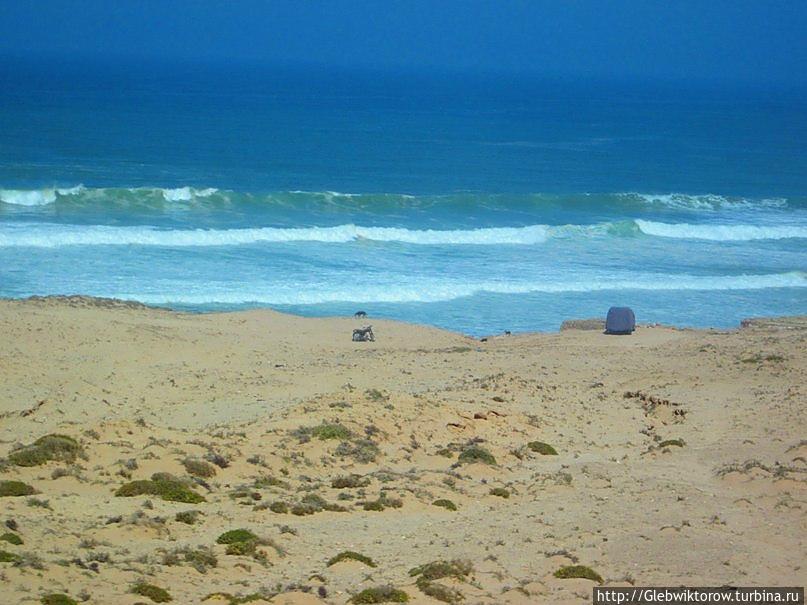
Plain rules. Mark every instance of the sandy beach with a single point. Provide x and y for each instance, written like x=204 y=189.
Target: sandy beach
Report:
x=669 y=457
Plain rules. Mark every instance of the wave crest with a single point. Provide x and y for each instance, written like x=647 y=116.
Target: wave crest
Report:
x=721 y=233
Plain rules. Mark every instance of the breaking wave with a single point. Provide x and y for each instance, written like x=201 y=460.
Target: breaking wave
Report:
x=441 y=291
x=721 y=233
x=51 y=235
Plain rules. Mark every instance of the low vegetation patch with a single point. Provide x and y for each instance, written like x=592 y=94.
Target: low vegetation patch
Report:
x=15 y=489
x=578 y=571
x=380 y=594
x=672 y=442
x=57 y=599
x=8 y=557
x=150 y=591
x=428 y=574
x=474 y=453
x=236 y=535
x=189 y=517
x=539 y=447
x=383 y=502
x=362 y=451
x=199 y=468
x=500 y=492
x=50 y=447
x=444 y=503
x=349 y=555
x=163 y=485
x=11 y=538
x=350 y=482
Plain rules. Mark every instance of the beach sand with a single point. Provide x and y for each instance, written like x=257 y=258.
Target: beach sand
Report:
x=278 y=407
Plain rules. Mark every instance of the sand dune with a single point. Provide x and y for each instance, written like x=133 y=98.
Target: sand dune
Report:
x=680 y=458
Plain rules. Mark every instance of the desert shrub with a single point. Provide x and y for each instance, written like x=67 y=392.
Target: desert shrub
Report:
x=217 y=459
x=50 y=447
x=380 y=594
x=201 y=559
x=269 y=481
x=11 y=538
x=8 y=557
x=436 y=570
x=500 y=492
x=236 y=535
x=439 y=592
x=150 y=591
x=350 y=482
x=189 y=517
x=444 y=503
x=279 y=507
x=383 y=502
x=578 y=571
x=352 y=556
x=38 y=502
x=539 y=447
x=15 y=489
x=375 y=395
x=445 y=453
x=474 y=453
x=57 y=599
x=331 y=431
x=672 y=442
x=362 y=451
x=199 y=468
x=163 y=485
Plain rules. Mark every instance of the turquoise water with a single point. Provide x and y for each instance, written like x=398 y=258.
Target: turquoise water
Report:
x=476 y=206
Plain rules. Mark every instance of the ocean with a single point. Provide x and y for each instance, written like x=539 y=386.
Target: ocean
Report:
x=474 y=204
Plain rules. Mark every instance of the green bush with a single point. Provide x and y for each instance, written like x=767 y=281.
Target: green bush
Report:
x=15 y=489
x=539 y=447
x=331 y=431
x=150 y=591
x=578 y=571
x=57 y=599
x=50 y=447
x=8 y=557
x=351 y=555
x=500 y=492
x=236 y=535
x=11 y=538
x=163 y=485
x=474 y=454
x=443 y=503
x=380 y=594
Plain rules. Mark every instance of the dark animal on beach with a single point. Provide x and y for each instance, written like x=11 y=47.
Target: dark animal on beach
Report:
x=363 y=334
x=360 y=314
x=507 y=332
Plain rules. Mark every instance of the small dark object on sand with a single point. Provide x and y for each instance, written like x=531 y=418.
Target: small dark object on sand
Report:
x=483 y=340
x=507 y=333
x=360 y=314
x=620 y=320
x=363 y=334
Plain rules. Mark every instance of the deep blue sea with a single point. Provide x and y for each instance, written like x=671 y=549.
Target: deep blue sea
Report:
x=475 y=204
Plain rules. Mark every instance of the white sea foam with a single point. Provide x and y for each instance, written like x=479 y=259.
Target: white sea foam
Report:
x=53 y=235
x=185 y=194
x=441 y=291
x=708 y=201
x=36 y=197
x=722 y=233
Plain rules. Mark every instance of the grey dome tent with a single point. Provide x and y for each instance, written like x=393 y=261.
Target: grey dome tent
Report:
x=620 y=320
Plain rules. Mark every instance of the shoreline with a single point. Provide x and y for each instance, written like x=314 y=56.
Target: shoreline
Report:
x=592 y=324
x=679 y=456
